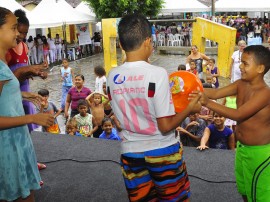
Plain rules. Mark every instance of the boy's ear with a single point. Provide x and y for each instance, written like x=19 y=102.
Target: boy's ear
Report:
x=261 y=69
x=148 y=42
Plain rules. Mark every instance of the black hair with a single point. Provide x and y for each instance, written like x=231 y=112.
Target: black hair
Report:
x=105 y=120
x=79 y=75
x=30 y=39
x=181 y=67
x=21 y=17
x=43 y=92
x=133 y=29
x=82 y=102
x=213 y=60
x=3 y=14
x=45 y=41
x=100 y=71
x=261 y=55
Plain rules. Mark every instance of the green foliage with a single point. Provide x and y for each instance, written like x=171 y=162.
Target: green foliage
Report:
x=118 y=8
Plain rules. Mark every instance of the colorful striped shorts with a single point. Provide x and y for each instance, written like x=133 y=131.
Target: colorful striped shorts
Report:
x=156 y=175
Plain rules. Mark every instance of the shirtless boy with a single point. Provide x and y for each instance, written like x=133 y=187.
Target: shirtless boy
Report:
x=252 y=163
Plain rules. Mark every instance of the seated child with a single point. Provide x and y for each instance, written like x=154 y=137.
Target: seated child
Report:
x=217 y=135
x=97 y=109
x=49 y=108
x=71 y=127
x=85 y=121
x=212 y=70
x=191 y=130
x=109 y=132
x=193 y=69
x=209 y=81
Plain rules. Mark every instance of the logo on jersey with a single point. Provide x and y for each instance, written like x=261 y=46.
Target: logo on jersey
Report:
x=119 y=79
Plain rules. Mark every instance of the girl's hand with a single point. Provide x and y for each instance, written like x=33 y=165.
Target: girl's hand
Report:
x=202 y=147
x=66 y=115
x=43 y=119
x=35 y=98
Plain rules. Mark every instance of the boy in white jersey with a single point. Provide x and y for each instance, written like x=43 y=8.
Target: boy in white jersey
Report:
x=141 y=100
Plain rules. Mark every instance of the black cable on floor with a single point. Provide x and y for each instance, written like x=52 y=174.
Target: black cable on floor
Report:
x=116 y=162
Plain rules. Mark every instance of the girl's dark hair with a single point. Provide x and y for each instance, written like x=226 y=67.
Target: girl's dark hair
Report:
x=3 y=14
x=80 y=75
x=21 y=17
x=133 y=30
x=45 y=41
x=100 y=71
x=105 y=120
x=43 y=92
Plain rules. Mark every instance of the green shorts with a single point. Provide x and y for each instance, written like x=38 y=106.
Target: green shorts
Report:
x=252 y=171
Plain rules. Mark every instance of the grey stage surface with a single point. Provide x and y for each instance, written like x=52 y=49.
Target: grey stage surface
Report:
x=71 y=181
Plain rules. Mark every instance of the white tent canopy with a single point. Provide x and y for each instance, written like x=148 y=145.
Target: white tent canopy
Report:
x=181 y=6
x=85 y=8
x=52 y=13
x=12 y=5
x=242 y=5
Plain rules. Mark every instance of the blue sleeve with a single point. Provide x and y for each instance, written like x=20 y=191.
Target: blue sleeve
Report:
x=5 y=73
x=228 y=131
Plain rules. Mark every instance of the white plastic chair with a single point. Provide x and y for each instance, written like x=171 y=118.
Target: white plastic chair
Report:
x=161 y=40
x=170 y=40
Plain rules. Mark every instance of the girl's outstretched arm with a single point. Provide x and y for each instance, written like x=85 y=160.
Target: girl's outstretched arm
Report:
x=40 y=119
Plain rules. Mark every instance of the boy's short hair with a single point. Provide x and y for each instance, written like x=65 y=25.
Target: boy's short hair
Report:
x=213 y=60
x=181 y=67
x=261 y=55
x=133 y=29
x=82 y=102
x=43 y=92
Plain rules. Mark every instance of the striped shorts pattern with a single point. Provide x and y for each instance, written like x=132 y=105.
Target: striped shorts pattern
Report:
x=156 y=175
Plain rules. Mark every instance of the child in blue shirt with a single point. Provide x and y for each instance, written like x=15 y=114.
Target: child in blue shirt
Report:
x=109 y=132
x=217 y=135
x=71 y=128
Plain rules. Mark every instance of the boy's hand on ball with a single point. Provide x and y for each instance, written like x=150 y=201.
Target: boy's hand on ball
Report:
x=195 y=104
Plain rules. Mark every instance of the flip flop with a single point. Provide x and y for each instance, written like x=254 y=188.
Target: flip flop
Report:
x=41 y=166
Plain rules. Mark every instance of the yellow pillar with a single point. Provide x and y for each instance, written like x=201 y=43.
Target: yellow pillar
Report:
x=225 y=37
x=109 y=30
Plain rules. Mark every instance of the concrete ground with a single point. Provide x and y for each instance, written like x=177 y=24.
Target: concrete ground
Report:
x=86 y=66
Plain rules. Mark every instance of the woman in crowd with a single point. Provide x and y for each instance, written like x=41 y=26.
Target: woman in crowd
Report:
x=75 y=94
x=235 y=73
x=198 y=57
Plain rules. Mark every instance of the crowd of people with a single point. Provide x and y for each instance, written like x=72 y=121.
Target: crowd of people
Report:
x=137 y=110
x=52 y=50
x=246 y=28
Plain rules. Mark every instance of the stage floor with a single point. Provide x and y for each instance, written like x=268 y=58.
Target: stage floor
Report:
x=87 y=170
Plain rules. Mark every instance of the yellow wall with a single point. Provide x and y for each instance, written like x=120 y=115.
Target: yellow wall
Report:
x=109 y=43
x=225 y=37
x=58 y=30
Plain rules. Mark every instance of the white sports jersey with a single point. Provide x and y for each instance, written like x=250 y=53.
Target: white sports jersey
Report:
x=139 y=94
